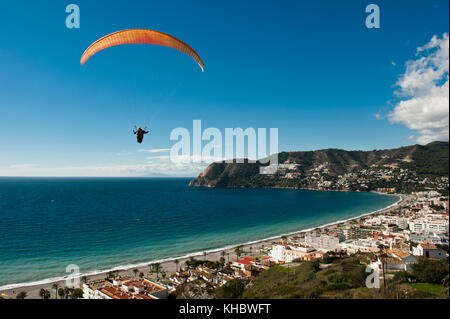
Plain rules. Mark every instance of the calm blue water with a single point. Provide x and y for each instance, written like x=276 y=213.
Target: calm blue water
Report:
x=47 y=224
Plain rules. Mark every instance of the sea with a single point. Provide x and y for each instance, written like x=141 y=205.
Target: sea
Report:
x=99 y=224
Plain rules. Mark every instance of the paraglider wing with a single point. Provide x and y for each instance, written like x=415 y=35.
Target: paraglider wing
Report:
x=142 y=36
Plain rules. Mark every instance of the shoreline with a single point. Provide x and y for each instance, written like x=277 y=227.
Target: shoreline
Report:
x=32 y=288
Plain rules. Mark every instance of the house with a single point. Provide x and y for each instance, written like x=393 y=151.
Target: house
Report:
x=406 y=258
x=286 y=253
x=428 y=250
x=124 y=288
x=391 y=263
x=241 y=263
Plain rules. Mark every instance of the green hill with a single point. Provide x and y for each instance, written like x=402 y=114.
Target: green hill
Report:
x=406 y=168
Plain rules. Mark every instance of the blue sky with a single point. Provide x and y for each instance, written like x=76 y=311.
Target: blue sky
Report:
x=310 y=68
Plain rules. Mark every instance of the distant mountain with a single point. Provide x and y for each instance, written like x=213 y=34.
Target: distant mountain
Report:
x=407 y=168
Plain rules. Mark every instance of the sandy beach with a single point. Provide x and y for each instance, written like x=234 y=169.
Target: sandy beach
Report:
x=169 y=266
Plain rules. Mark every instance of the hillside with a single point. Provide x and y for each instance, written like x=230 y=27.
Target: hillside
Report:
x=405 y=169
x=341 y=278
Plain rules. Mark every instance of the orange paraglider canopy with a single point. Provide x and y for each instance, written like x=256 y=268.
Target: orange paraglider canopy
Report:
x=142 y=36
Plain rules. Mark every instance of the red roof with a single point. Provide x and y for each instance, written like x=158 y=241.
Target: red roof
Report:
x=244 y=261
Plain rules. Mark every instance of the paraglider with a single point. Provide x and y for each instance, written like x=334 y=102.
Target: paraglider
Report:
x=142 y=36
x=140 y=134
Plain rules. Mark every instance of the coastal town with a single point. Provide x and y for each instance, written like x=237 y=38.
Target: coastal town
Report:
x=396 y=238
x=388 y=179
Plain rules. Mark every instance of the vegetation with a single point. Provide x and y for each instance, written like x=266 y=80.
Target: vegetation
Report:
x=343 y=277
x=231 y=290
x=430 y=271
x=428 y=161
x=21 y=295
x=193 y=263
x=44 y=294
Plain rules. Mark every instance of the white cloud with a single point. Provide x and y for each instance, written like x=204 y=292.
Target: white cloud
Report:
x=23 y=166
x=156 y=150
x=424 y=92
x=158 y=167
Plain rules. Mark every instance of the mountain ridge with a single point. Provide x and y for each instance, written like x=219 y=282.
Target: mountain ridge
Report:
x=403 y=168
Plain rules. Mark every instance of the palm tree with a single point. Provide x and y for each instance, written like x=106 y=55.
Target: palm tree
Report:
x=21 y=295
x=44 y=294
x=141 y=275
x=135 y=271
x=55 y=288
x=237 y=250
x=204 y=255
x=151 y=267
x=76 y=293
x=61 y=292
x=67 y=292
x=222 y=262
x=228 y=257
x=157 y=268
x=176 y=263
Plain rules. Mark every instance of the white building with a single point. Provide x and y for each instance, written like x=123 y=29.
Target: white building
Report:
x=419 y=225
x=289 y=252
x=359 y=245
x=323 y=242
x=428 y=251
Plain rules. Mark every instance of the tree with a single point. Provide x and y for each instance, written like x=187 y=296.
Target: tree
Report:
x=238 y=251
x=176 y=263
x=76 y=293
x=84 y=279
x=204 y=255
x=67 y=292
x=135 y=271
x=44 y=294
x=61 y=292
x=157 y=269
x=233 y=289
x=55 y=288
x=21 y=295
x=141 y=275
x=222 y=262
x=431 y=271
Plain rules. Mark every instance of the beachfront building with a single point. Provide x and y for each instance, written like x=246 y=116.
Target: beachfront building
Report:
x=241 y=263
x=124 y=288
x=286 y=252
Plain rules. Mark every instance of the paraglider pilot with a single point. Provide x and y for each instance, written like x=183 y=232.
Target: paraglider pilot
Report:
x=140 y=134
